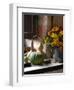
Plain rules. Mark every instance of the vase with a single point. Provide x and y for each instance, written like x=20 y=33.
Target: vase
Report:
x=47 y=50
x=57 y=55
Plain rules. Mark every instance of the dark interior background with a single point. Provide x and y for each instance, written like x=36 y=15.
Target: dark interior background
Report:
x=31 y=23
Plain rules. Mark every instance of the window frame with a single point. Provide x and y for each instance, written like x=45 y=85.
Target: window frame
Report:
x=16 y=77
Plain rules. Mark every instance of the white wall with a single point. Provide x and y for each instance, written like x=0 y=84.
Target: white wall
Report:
x=4 y=44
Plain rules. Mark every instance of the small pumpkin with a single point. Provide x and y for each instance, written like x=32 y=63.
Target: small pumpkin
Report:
x=35 y=58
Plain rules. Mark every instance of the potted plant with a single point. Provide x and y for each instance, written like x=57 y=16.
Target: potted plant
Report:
x=54 y=39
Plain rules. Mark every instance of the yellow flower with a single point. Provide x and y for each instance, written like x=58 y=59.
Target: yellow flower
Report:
x=54 y=35
x=55 y=42
x=49 y=33
x=60 y=34
x=55 y=28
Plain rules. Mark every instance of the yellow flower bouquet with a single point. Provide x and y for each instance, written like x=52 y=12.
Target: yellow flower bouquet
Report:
x=54 y=37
